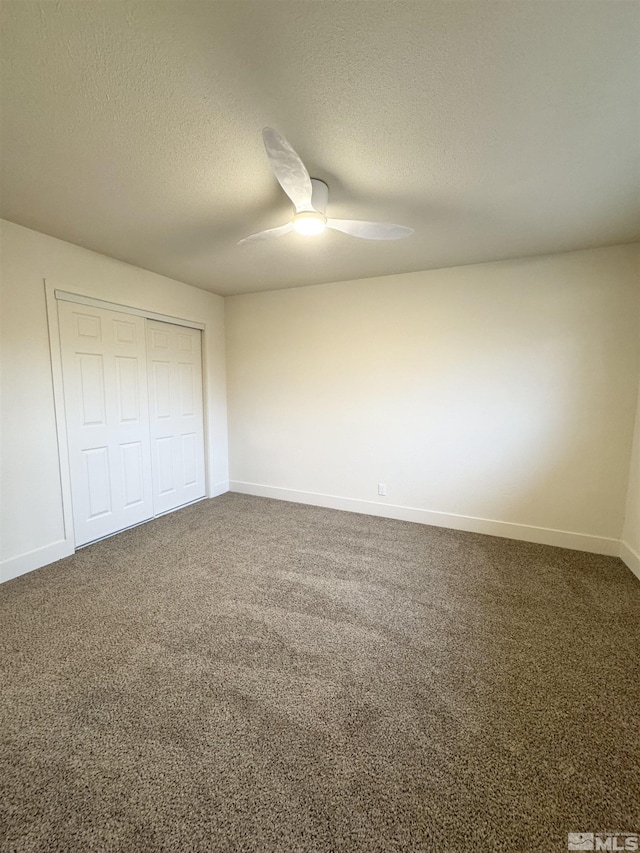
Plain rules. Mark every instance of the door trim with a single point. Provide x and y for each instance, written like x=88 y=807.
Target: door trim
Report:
x=52 y=296
x=67 y=296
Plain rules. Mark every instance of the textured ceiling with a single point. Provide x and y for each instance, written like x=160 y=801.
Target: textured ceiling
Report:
x=496 y=130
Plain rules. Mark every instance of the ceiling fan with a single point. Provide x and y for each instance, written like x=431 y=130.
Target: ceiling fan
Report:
x=309 y=197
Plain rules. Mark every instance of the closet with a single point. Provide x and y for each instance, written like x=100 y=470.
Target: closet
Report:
x=134 y=417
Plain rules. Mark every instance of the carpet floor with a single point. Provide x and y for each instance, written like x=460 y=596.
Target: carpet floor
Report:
x=253 y=675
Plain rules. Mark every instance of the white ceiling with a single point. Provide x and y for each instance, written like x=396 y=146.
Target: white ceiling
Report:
x=495 y=129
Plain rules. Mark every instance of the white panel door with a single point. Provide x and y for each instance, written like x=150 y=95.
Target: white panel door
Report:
x=105 y=390
x=174 y=356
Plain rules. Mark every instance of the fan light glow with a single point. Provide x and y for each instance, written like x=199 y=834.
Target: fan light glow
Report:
x=309 y=223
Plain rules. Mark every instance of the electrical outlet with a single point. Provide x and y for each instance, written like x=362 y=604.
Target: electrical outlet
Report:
x=382 y=489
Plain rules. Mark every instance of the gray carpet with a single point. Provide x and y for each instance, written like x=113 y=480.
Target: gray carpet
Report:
x=253 y=675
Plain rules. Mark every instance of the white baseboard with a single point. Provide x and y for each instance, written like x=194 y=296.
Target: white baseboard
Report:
x=630 y=557
x=505 y=529
x=32 y=560
x=218 y=489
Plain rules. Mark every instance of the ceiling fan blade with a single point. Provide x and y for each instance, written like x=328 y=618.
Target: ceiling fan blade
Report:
x=370 y=230
x=269 y=234
x=289 y=169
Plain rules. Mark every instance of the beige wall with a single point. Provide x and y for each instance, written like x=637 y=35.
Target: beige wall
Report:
x=32 y=528
x=502 y=391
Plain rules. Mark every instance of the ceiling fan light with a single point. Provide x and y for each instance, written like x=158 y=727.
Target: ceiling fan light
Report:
x=308 y=223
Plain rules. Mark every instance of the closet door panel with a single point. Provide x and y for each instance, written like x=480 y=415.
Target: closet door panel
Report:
x=105 y=390
x=174 y=356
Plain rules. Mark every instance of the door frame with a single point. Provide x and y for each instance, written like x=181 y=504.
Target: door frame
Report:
x=53 y=295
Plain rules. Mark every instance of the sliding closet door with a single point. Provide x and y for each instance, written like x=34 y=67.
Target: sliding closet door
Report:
x=105 y=389
x=174 y=356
